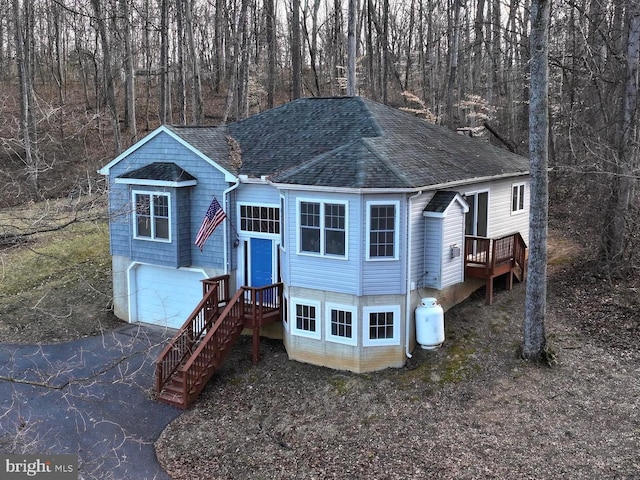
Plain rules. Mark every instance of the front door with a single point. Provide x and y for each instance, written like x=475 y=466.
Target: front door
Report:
x=260 y=262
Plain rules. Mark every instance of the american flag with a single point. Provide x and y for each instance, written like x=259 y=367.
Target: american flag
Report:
x=214 y=217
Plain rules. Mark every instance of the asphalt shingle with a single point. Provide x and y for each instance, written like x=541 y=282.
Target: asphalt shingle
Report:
x=351 y=142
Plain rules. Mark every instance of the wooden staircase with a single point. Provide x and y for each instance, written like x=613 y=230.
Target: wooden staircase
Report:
x=198 y=349
x=488 y=258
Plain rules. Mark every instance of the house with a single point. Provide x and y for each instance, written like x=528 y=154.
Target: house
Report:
x=355 y=209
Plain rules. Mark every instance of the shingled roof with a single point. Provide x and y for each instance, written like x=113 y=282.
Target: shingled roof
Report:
x=162 y=171
x=351 y=142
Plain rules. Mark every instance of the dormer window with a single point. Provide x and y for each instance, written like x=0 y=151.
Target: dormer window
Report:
x=152 y=216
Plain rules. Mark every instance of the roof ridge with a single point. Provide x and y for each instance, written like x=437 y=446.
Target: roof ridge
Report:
x=398 y=174
x=312 y=161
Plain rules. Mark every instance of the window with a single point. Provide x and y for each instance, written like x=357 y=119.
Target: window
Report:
x=305 y=318
x=151 y=214
x=381 y=325
x=517 y=198
x=323 y=228
x=262 y=219
x=341 y=324
x=382 y=227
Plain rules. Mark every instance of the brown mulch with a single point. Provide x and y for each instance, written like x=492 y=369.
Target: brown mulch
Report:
x=470 y=410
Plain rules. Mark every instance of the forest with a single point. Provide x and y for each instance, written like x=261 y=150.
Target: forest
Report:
x=81 y=80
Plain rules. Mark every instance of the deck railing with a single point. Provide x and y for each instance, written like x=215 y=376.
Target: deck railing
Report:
x=222 y=284
x=490 y=253
x=213 y=348
x=200 y=346
x=263 y=305
x=488 y=258
x=184 y=342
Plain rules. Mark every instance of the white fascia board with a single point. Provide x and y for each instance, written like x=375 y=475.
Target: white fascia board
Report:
x=105 y=170
x=156 y=183
x=434 y=214
x=427 y=188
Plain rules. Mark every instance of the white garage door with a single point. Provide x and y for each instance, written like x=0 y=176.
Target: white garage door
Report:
x=164 y=296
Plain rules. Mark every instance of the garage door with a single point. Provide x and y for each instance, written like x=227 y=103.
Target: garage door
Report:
x=164 y=296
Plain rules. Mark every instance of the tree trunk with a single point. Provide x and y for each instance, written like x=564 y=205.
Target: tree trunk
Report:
x=454 y=44
x=534 y=344
x=164 y=61
x=108 y=74
x=270 y=14
x=296 y=55
x=194 y=65
x=351 y=51
x=130 y=86
x=27 y=123
x=624 y=176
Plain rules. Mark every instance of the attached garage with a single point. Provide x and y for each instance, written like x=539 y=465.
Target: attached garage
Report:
x=163 y=296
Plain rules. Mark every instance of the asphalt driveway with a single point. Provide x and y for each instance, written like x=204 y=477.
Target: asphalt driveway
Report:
x=90 y=397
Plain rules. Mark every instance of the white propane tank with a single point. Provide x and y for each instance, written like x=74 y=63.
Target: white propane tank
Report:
x=429 y=323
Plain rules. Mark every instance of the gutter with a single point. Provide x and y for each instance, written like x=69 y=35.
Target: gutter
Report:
x=225 y=202
x=417 y=190
x=407 y=314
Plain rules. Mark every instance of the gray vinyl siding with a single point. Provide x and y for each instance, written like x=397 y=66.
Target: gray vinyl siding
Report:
x=382 y=277
x=183 y=233
x=188 y=207
x=452 y=234
x=432 y=273
x=325 y=273
x=257 y=194
x=419 y=239
x=441 y=234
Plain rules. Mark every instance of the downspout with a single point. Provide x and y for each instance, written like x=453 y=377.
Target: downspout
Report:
x=225 y=202
x=408 y=294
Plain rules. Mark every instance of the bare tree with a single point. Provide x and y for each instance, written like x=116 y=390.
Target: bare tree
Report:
x=351 y=51
x=23 y=18
x=270 y=17
x=109 y=87
x=628 y=161
x=129 y=74
x=534 y=344
x=296 y=54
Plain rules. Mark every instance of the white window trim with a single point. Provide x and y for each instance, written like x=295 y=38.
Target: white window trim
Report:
x=283 y=222
x=353 y=340
x=369 y=342
x=251 y=232
x=396 y=233
x=293 y=323
x=151 y=194
x=520 y=185
x=322 y=203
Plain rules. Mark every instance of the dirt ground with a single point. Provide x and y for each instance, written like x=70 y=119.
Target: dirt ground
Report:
x=471 y=409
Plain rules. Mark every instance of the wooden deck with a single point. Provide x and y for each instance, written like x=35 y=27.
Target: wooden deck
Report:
x=489 y=258
x=198 y=349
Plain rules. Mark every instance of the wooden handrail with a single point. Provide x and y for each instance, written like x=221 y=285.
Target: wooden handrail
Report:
x=209 y=354
x=191 y=359
x=222 y=283
x=263 y=300
x=187 y=337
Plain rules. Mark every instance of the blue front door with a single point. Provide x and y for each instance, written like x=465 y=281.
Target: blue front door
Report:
x=261 y=251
